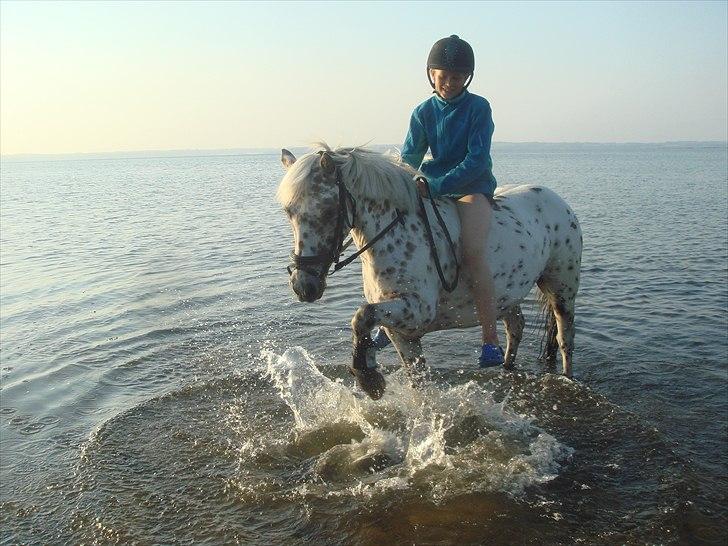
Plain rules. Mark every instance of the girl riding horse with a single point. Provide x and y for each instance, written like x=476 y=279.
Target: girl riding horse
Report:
x=457 y=127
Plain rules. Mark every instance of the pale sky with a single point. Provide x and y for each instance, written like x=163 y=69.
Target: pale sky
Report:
x=122 y=76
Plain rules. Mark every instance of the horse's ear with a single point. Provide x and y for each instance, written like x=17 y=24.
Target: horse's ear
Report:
x=327 y=164
x=287 y=158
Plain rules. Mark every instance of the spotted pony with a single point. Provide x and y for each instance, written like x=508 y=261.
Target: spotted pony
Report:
x=534 y=238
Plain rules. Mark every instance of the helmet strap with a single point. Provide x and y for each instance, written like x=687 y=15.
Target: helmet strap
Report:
x=429 y=78
x=432 y=83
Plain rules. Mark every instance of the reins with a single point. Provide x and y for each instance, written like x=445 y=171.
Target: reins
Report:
x=338 y=246
x=399 y=219
x=448 y=286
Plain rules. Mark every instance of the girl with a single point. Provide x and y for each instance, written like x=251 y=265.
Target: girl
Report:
x=457 y=127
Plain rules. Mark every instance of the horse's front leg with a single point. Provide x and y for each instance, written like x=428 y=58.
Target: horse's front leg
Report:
x=407 y=312
x=410 y=352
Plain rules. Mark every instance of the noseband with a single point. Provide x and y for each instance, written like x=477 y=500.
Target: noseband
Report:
x=323 y=261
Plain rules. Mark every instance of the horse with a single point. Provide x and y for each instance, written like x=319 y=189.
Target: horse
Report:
x=410 y=278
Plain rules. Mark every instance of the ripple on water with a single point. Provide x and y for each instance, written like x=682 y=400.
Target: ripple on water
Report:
x=284 y=450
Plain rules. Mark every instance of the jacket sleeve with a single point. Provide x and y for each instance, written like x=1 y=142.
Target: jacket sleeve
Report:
x=415 y=144
x=477 y=163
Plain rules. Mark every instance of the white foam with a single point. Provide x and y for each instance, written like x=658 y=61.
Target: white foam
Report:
x=313 y=398
x=452 y=439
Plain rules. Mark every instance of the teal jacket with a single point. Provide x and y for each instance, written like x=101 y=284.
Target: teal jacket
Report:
x=458 y=133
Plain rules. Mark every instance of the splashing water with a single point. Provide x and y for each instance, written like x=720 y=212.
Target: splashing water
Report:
x=312 y=397
x=451 y=440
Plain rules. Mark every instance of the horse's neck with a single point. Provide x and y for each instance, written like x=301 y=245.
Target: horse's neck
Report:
x=373 y=217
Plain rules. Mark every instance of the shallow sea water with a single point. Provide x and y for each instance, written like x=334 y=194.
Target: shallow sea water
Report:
x=159 y=383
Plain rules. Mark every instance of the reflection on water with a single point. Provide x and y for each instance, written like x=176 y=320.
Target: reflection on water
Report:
x=159 y=383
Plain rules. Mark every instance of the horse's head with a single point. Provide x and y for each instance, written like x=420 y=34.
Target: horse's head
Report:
x=316 y=202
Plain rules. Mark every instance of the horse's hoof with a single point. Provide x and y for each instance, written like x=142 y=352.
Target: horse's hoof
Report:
x=370 y=381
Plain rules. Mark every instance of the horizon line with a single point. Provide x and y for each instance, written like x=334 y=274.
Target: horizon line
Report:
x=263 y=149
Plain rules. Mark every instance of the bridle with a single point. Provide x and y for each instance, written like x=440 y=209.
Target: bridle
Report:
x=324 y=261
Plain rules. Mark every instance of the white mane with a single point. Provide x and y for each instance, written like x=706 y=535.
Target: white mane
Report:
x=365 y=173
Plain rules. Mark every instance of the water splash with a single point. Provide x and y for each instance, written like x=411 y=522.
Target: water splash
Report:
x=451 y=440
x=313 y=398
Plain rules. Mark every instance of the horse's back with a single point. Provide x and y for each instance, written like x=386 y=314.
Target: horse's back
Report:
x=527 y=202
x=533 y=234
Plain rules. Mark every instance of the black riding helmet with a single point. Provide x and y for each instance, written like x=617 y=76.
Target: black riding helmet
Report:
x=451 y=53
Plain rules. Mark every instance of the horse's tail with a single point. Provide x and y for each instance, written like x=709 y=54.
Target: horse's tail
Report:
x=549 y=344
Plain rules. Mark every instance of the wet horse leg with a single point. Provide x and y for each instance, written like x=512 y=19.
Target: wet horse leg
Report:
x=514 y=323
x=564 y=313
x=562 y=308
x=407 y=312
x=410 y=352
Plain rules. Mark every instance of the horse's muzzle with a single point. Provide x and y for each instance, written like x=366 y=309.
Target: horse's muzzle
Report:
x=307 y=286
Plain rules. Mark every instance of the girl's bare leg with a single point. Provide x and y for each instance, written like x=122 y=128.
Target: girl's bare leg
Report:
x=475 y=212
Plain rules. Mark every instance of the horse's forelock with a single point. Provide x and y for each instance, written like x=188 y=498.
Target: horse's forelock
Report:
x=293 y=185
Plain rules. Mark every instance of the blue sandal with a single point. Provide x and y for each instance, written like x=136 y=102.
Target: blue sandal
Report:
x=491 y=356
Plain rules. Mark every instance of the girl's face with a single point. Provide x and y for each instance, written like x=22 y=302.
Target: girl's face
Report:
x=448 y=84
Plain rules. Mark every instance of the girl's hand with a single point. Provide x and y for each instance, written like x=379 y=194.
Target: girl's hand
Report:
x=422 y=187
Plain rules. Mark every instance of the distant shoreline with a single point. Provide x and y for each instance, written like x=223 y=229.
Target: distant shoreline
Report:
x=151 y=154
